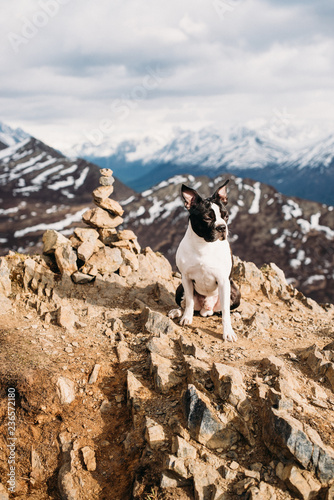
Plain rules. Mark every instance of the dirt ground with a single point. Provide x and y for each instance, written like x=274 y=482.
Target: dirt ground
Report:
x=34 y=353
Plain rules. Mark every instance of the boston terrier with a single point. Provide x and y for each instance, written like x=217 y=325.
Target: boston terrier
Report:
x=204 y=259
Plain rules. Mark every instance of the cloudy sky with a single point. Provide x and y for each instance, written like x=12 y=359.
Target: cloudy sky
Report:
x=76 y=70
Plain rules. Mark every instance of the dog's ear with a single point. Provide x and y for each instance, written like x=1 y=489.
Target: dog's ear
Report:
x=190 y=196
x=221 y=193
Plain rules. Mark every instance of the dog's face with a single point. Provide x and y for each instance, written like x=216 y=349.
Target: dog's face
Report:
x=208 y=217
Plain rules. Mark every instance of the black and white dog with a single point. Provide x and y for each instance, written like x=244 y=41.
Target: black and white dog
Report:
x=205 y=261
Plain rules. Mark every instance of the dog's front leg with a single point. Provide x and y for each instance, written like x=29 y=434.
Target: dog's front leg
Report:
x=224 y=297
x=188 y=314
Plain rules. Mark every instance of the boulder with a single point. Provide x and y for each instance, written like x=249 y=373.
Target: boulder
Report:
x=108 y=236
x=81 y=278
x=66 y=317
x=106 y=181
x=154 y=434
x=228 y=382
x=53 y=239
x=106 y=261
x=89 y=458
x=66 y=259
x=65 y=390
x=106 y=172
x=164 y=375
x=99 y=218
x=182 y=449
x=110 y=205
x=156 y=323
x=301 y=482
x=203 y=421
x=286 y=436
x=102 y=192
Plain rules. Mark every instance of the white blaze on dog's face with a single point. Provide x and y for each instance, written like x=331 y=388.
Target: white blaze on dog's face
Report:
x=208 y=217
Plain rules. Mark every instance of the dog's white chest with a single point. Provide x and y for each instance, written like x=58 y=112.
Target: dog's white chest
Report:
x=204 y=263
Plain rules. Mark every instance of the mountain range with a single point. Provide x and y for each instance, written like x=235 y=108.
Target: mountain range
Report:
x=43 y=189
x=304 y=169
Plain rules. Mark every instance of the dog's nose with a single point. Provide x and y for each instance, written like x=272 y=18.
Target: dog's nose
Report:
x=221 y=228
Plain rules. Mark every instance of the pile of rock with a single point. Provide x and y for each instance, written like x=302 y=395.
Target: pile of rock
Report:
x=99 y=249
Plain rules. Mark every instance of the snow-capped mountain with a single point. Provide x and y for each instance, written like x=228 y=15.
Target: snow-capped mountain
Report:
x=43 y=189
x=257 y=154
x=10 y=136
x=265 y=226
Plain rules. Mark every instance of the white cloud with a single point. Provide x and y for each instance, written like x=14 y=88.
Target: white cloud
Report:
x=87 y=59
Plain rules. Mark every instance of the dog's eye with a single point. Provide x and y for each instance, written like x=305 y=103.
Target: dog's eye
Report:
x=207 y=219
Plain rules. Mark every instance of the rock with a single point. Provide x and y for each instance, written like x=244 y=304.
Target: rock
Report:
x=227 y=473
x=85 y=234
x=102 y=192
x=330 y=375
x=285 y=435
x=37 y=470
x=204 y=478
x=65 y=390
x=123 y=351
x=106 y=181
x=130 y=259
x=99 y=218
x=301 y=482
x=66 y=317
x=81 y=278
x=176 y=464
x=89 y=458
x=248 y=275
x=170 y=480
x=241 y=486
x=53 y=239
x=228 y=382
x=105 y=261
x=329 y=493
x=68 y=488
x=164 y=376
x=203 y=422
x=5 y=282
x=152 y=264
x=161 y=345
x=108 y=236
x=66 y=259
x=252 y=473
x=156 y=323
x=106 y=172
x=263 y=492
x=154 y=434
x=189 y=348
x=127 y=234
x=89 y=238
x=182 y=448
x=94 y=375
x=110 y=205
x=3 y=493
x=134 y=388
x=273 y=364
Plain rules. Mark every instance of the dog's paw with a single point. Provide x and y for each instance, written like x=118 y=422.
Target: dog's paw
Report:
x=205 y=313
x=229 y=335
x=186 y=319
x=175 y=313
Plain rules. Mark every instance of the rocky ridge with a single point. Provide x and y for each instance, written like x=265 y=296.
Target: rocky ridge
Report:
x=115 y=400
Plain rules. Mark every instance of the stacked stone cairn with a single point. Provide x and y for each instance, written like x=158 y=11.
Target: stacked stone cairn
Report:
x=99 y=249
